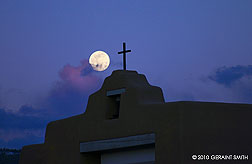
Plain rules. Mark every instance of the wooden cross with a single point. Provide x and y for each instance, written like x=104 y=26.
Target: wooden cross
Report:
x=124 y=51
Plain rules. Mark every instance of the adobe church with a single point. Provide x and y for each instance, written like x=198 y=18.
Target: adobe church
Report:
x=127 y=121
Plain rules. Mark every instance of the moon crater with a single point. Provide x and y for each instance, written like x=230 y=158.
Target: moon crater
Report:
x=99 y=60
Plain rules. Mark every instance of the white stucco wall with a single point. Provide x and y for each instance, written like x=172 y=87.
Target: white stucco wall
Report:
x=135 y=156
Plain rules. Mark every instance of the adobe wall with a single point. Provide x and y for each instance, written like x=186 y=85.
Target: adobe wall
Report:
x=182 y=128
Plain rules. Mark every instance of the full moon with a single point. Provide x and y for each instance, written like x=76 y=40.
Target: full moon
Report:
x=99 y=60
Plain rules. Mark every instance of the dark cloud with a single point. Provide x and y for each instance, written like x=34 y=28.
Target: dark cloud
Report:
x=63 y=102
x=27 y=110
x=79 y=78
x=87 y=70
x=238 y=81
x=20 y=141
x=68 y=96
x=228 y=75
x=20 y=121
x=23 y=127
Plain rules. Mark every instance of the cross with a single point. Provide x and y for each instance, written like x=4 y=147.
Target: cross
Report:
x=124 y=55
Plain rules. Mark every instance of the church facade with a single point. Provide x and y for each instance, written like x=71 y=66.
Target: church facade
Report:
x=127 y=121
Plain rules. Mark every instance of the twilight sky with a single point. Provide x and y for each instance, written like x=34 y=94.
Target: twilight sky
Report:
x=193 y=49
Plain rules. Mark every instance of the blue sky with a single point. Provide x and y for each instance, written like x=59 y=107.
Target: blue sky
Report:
x=194 y=50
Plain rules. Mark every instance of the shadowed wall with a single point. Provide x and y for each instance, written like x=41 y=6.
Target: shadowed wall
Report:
x=181 y=128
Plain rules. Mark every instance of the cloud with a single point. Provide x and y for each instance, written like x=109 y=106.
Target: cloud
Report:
x=225 y=84
x=79 y=78
x=242 y=88
x=17 y=139
x=12 y=134
x=15 y=128
x=237 y=79
x=229 y=75
x=17 y=120
x=68 y=96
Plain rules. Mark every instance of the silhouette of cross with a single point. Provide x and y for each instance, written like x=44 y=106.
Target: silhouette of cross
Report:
x=124 y=55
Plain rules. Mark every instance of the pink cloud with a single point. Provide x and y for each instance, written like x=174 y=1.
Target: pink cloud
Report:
x=80 y=78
